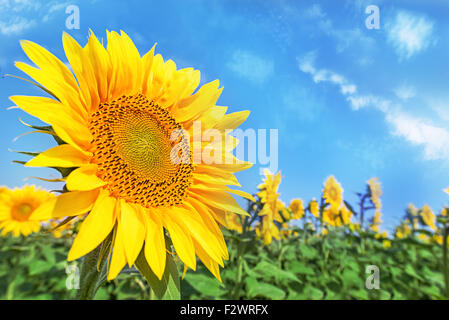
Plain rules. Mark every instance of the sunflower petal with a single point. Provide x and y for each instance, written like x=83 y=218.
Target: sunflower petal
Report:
x=155 y=252
x=133 y=230
x=66 y=205
x=95 y=228
x=68 y=127
x=118 y=260
x=84 y=178
x=64 y=156
x=181 y=239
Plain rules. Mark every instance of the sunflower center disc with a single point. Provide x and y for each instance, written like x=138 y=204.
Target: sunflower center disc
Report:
x=132 y=147
x=22 y=211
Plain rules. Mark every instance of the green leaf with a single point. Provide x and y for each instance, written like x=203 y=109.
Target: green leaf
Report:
x=39 y=266
x=265 y=268
x=301 y=268
x=205 y=284
x=263 y=290
x=168 y=288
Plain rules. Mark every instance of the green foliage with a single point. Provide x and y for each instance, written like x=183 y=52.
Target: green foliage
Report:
x=317 y=267
x=325 y=267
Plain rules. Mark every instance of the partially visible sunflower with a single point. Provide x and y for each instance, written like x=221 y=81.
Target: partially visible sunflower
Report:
x=16 y=207
x=297 y=208
x=233 y=222
x=403 y=230
x=345 y=214
x=314 y=208
x=333 y=193
x=60 y=228
x=267 y=230
x=428 y=217
x=376 y=221
x=128 y=124
x=375 y=192
x=272 y=207
x=268 y=190
x=332 y=217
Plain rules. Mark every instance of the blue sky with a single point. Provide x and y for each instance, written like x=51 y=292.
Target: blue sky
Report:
x=347 y=100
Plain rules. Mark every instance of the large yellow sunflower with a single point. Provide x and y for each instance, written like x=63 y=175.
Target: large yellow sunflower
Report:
x=16 y=207
x=120 y=115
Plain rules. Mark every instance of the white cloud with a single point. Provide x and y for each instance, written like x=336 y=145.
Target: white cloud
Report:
x=405 y=92
x=361 y=101
x=251 y=66
x=15 y=25
x=410 y=34
x=416 y=130
x=307 y=65
x=435 y=140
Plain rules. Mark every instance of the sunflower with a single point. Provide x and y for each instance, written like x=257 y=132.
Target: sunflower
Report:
x=233 y=222
x=128 y=123
x=332 y=217
x=428 y=217
x=268 y=190
x=297 y=208
x=16 y=207
x=345 y=215
x=403 y=230
x=375 y=192
x=333 y=193
x=314 y=208
x=376 y=221
x=62 y=228
x=267 y=230
x=272 y=207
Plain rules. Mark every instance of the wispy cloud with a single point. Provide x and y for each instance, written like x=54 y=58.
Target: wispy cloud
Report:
x=405 y=92
x=416 y=130
x=410 y=34
x=15 y=25
x=251 y=66
x=421 y=132
x=18 y=16
x=307 y=64
x=53 y=8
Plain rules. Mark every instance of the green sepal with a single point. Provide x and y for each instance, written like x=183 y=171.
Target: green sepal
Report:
x=168 y=288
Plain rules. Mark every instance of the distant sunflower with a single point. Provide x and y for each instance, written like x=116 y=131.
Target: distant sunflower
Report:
x=375 y=192
x=376 y=221
x=428 y=217
x=272 y=207
x=16 y=207
x=333 y=193
x=314 y=208
x=297 y=208
x=117 y=114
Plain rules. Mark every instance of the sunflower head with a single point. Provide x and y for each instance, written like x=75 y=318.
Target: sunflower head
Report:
x=333 y=193
x=16 y=207
x=314 y=208
x=375 y=192
x=297 y=208
x=428 y=217
x=128 y=124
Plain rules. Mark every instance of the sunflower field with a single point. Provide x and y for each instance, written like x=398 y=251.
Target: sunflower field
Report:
x=143 y=209
x=303 y=251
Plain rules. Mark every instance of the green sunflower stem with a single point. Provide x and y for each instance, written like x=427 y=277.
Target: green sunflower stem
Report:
x=93 y=273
